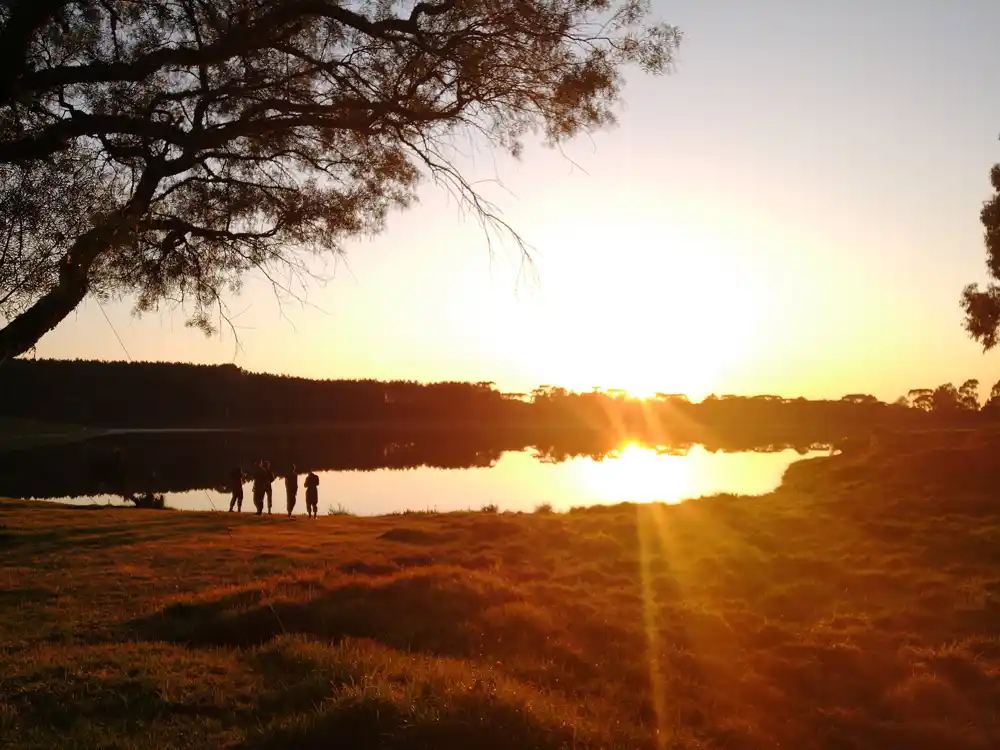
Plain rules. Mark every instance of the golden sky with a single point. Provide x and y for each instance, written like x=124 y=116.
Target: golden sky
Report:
x=794 y=211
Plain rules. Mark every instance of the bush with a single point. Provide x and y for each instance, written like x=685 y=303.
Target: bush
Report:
x=338 y=510
x=544 y=509
x=491 y=508
x=148 y=500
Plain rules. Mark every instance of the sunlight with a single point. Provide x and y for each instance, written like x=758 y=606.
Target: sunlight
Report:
x=636 y=473
x=676 y=320
x=643 y=392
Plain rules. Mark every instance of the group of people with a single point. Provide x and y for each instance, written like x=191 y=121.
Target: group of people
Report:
x=263 y=477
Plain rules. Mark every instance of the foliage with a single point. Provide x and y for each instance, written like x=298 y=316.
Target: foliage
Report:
x=148 y=500
x=946 y=398
x=165 y=149
x=338 y=510
x=982 y=307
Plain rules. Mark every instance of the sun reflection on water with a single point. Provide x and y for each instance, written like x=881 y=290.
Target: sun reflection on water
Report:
x=638 y=473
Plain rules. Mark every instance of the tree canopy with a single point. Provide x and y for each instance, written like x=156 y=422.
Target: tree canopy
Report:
x=165 y=148
x=982 y=306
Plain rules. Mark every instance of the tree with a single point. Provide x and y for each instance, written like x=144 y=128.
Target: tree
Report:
x=982 y=307
x=968 y=395
x=166 y=148
x=921 y=398
x=945 y=399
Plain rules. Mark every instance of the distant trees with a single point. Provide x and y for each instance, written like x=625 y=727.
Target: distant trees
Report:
x=117 y=394
x=165 y=148
x=982 y=307
x=859 y=398
x=946 y=398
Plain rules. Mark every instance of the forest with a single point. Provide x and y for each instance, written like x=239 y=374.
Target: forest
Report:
x=143 y=395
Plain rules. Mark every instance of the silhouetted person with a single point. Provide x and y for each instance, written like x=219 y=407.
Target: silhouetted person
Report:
x=312 y=495
x=269 y=477
x=261 y=483
x=291 y=488
x=236 y=487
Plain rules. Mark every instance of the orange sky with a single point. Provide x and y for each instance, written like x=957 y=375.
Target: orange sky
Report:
x=795 y=211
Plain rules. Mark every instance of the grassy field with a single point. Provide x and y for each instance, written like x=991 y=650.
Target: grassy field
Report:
x=856 y=607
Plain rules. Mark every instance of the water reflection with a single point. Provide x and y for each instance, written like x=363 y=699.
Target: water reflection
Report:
x=371 y=472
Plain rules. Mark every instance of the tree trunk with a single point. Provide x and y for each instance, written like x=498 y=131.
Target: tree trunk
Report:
x=24 y=331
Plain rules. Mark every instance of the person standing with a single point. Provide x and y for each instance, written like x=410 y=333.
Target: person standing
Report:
x=268 y=481
x=236 y=487
x=291 y=488
x=259 y=481
x=312 y=495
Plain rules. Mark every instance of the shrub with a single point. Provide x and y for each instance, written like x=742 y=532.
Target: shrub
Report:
x=148 y=500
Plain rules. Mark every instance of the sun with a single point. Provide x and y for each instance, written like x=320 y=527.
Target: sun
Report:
x=642 y=392
x=676 y=316
x=629 y=360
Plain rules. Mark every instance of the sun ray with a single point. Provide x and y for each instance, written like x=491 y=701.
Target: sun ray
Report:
x=651 y=625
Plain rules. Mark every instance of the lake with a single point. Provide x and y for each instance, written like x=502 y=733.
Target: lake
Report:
x=372 y=474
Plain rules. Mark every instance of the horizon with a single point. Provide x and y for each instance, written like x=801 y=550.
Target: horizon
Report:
x=794 y=210
x=983 y=388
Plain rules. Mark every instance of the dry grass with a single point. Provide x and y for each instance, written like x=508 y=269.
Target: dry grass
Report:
x=839 y=612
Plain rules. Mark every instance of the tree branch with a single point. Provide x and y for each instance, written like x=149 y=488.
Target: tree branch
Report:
x=54 y=138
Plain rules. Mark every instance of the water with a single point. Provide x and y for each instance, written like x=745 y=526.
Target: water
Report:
x=512 y=479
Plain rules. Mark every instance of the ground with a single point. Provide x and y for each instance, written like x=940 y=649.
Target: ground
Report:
x=856 y=607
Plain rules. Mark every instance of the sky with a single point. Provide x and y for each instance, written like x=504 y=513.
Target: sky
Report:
x=793 y=211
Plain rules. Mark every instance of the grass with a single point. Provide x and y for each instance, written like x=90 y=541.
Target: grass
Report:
x=338 y=510
x=858 y=607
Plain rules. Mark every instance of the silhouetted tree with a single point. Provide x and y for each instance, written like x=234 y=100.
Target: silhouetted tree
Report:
x=946 y=399
x=165 y=148
x=968 y=395
x=982 y=307
x=921 y=398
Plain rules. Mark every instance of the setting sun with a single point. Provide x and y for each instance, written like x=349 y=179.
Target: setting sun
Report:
x=638 y=325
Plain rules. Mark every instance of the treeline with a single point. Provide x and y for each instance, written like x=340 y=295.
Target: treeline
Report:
x=164 y=395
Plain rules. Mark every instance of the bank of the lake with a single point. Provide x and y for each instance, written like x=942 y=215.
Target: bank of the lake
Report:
x=858 y=606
